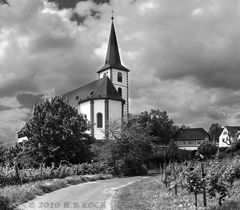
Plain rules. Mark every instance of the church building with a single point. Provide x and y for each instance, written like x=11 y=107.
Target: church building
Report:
x=106 y=98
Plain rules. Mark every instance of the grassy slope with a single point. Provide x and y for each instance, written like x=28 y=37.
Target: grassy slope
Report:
x=12 y=196
x=150 y=194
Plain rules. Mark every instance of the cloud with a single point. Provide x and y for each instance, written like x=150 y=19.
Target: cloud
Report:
x=183 y=56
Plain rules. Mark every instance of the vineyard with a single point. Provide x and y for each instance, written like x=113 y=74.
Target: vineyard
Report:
x=13 y=175
x=212 y=178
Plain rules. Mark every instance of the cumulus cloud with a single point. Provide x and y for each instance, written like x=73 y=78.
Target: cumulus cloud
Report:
x=187 y=52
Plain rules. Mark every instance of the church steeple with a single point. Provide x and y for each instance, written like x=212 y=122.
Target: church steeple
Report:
x=116 y=72
x=113 y=57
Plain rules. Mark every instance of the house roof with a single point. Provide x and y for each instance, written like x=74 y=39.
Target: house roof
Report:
x=99 y=89
x=113 y=58
x=232 y=129
x=191 y=134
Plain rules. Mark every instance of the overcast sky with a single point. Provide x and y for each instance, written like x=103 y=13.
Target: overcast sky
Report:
x=184 y=56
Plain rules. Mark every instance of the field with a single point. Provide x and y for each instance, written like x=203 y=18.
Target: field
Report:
x=151 y=194
x=222 y=186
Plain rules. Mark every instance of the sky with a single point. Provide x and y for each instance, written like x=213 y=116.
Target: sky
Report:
x=183 y=56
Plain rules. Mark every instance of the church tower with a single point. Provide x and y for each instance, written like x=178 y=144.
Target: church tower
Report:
x=113 y=69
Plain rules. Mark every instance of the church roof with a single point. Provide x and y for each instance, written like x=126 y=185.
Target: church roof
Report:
x=99 y=89
x=113 y=58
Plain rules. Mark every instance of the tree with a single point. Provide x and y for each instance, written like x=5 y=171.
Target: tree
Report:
x=128 y=148
x=207 y=149
x=172 y=151
x=214 y=132
x=57 y=132
x=159 y=125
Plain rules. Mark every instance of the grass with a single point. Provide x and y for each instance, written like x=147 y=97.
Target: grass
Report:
x=150 y=194
x=15 y=195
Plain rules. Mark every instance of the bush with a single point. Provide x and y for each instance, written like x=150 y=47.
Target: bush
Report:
x=207 y=149
x=4 y=203
x=8 y=175
x=234 y=147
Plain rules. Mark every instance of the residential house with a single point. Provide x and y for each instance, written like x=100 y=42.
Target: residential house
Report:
x=229 y=135
x=191 y=138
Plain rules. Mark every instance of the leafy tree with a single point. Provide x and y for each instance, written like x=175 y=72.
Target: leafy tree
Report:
x=207 y=148
x=172 y=151
x=56 y=132
x=214 y=132
x=3 y=150
x=159 y=125
x=128 y=149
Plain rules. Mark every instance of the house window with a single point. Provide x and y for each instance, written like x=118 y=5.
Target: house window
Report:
x=99 y=120
x=120 y=91
x=119 y=77
x=105 y=74
x=225 y=133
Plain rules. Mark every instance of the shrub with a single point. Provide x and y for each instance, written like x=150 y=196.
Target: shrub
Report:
x=207 y=149
x=8 y=175
x=4 y=203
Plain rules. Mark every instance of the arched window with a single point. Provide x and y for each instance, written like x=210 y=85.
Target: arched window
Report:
x=120 y=91
x=99 y=120
x=119 y=77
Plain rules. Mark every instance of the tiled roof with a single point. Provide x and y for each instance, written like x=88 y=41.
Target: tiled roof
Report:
x=113 y=58
x=191 y=134
x=99 y=89
x=232 y=129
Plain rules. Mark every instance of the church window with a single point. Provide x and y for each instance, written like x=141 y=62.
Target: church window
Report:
x=119 y=77
x=99 y=120
x=120 y=91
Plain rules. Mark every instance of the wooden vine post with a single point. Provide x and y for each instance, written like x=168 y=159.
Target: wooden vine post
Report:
x=175 y=177
x=204 y=186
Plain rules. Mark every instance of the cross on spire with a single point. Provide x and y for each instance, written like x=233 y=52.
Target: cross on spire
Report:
x=112 y=15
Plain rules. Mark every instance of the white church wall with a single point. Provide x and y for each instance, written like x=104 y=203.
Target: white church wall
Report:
x=123 y=85
x=106 y=72
x=115 y=110
x=99 y=106
x=114 y=77
x=84 y=108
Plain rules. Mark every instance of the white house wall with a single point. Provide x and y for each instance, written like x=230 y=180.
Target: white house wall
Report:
x=223 y=137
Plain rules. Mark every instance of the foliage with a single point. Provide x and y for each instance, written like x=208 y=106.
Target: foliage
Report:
x=9 y=176
x=128 y=149
x=172 y=152
x=207 y=149
x=3 y=151
x=214 y=132
x=56 y=132
x=159 y=125
x=220 y=175
x=235 y=146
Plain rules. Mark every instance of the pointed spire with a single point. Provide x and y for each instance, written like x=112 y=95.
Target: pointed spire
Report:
x=113 y=56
